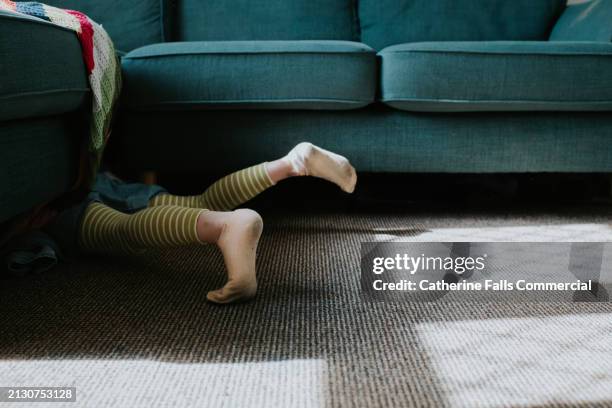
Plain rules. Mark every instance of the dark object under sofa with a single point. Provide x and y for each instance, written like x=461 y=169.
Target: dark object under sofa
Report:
x=451 y=86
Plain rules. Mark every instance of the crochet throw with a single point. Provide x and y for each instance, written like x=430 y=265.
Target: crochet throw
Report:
x=103 y=69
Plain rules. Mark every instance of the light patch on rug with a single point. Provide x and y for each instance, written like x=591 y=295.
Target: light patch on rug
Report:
x=522 y=361
x=147 y=383
x=530 y=233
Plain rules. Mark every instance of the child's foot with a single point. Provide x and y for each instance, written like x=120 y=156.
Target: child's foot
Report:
x=310 y=160
x=238 y=243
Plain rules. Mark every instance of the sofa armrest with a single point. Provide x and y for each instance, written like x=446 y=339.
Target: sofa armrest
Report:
x=42 y=68
x=587 y=21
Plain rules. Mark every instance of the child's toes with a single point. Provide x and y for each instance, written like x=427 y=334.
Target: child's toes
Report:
x=231 y=293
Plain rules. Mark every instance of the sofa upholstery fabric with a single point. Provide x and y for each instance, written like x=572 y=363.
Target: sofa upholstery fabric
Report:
x=375 y=139
x=390 y=22
x=497 y=76
x=590 y=21
x=205 y=20
x=250 y=74
x=41 y=68
x=131 y=24
x=39 y=159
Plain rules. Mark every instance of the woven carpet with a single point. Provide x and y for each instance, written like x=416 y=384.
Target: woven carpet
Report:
x=138 y=332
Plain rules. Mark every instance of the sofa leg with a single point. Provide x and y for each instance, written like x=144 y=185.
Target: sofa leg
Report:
x=149 y=177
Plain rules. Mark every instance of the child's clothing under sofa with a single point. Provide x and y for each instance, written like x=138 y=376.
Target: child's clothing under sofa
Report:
x=395 y=85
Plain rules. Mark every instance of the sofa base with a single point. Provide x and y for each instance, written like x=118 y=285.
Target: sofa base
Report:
x=40 y=159
x=375 y=139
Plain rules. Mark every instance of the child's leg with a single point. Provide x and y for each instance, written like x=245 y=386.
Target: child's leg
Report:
x=104 y=229
x=305 y=159
x=237 y=233
x=225 y=194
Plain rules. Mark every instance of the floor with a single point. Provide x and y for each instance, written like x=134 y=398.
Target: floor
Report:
x=138 y=332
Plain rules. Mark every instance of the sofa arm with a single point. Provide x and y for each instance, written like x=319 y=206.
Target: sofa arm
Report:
x=587 y=21
x=41 y=68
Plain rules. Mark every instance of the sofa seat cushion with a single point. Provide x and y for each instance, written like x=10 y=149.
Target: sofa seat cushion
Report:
x=41 y=68
x=250 y=74
x=497 y=76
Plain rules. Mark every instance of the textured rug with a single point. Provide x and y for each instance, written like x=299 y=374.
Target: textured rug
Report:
x=139 y=333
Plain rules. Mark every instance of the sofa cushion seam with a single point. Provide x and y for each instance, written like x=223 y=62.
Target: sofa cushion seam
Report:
x=519 y=54
x=45 y=92
x=359 y=53
x=517 y=101
x=211 y=101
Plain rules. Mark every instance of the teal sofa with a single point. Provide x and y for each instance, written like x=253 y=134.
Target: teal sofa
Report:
x=44 y=95
x=461 y=86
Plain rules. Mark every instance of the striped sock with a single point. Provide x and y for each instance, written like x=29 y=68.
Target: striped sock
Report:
x=224 y=195
x=104 y=229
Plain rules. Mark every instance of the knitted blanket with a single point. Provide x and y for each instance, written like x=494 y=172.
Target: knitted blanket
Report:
x=103 y=69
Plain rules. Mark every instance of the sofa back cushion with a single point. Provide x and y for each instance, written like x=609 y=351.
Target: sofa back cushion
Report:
x=229 y=20
x=131 y=24
x=585 y=21
x=388 y=22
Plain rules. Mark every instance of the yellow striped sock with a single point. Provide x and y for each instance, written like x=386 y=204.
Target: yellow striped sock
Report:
x=225 y=194
x=104 y=229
